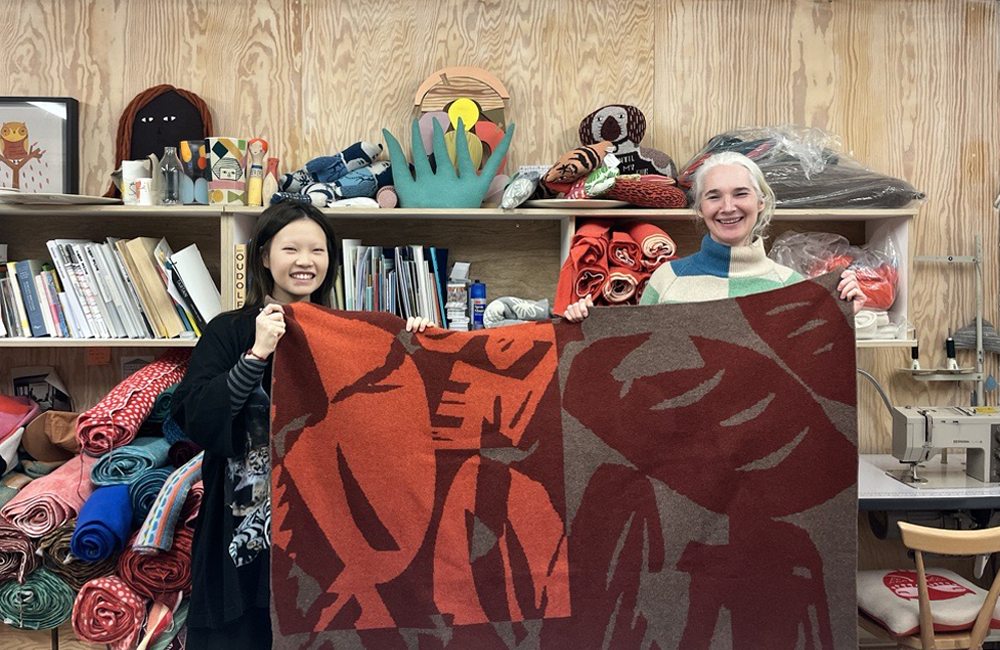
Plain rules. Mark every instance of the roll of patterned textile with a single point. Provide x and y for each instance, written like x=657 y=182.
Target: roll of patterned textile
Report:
x=624 y=251
x=157 y=532
x=142 y=493
x=17 y=553
x=114 y=421
x=161 y=407
x=43 y=602
x=653 y=240
x=182 y=451
x=107 y=611
x=57 y=558
x=176 y=626
x=622 y=286
x=162 y=573
x=103 y=525
x=126 y=464
x=46 y=503
x=192 y=506
x=586 y=267
x=172 y=431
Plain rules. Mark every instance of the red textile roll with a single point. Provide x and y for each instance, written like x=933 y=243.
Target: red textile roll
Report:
x=45 y=503
x=160 y=573
x=114 y=421
x=653 y=240
x=192 y=505
x=648 y=191
x=586 y=267
x=624 y=251
x=622 y=285
x=108 y=611
x=17 y=553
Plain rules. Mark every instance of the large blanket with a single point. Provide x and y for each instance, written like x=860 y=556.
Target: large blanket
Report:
x=677 y=476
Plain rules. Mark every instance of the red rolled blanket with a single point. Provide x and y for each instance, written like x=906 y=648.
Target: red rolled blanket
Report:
x=648 y=191
x=586 y=268
x=114 y=421
x=161 y=573
x=45 y=503
x=624 y=251
x=653 y=240
x=17 y=553
x=192 y=505
x=108 y=611
x=622 y=285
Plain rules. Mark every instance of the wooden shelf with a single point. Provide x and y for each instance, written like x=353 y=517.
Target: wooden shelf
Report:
x=158 y=211
x=47 y=342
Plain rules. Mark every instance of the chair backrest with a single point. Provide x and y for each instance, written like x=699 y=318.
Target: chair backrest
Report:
x=951 y=542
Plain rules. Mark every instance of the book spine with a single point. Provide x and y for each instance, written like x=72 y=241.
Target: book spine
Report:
x=29 y=294
x=240 y=281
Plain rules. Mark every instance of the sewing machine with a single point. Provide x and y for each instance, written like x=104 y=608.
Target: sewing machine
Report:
x=920 y=432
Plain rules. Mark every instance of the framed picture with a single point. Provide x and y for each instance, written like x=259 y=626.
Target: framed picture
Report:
x=39 y=144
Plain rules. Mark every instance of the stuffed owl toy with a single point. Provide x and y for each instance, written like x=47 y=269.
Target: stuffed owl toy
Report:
x=624 y=126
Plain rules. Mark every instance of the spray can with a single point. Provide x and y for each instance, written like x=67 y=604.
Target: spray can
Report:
x=477 y=302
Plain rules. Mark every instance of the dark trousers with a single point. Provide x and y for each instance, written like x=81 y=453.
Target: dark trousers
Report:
x=250 y=631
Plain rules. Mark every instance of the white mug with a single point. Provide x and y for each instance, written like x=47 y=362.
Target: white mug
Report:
x=141 y=190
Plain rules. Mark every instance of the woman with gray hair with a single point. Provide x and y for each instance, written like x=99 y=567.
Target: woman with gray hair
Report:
x=735 y=203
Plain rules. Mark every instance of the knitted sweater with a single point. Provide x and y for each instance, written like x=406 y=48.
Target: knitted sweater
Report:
x=715 y=272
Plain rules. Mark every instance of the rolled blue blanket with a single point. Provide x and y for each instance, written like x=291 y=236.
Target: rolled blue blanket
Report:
x=171 y=430
x=142 y=493
x=103 y=525
x=124 y=465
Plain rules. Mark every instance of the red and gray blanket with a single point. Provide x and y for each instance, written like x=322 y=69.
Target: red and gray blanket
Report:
x=673 y=476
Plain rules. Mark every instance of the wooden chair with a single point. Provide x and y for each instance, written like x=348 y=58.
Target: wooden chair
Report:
x=921 y=539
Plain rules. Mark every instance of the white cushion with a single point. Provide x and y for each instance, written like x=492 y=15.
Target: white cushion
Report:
x=890 y=598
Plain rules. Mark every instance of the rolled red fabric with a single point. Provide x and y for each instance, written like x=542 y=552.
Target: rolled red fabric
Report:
x=158 y=574
x=192 y=506
x=114 y=421
x=47 y=502
x=108 y=611
x=17 y=553
x=648 y=191
x=586 y=267
x=653 y=241
x=622 y=285
x=624 y=251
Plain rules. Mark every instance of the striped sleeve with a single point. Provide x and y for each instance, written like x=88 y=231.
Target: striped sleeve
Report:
x=244 y=376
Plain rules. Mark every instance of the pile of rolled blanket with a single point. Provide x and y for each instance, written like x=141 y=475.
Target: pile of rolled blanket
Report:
x=612 y=262
x=75 y=541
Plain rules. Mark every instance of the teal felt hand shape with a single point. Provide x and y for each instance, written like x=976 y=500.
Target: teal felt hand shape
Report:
x=443 y=188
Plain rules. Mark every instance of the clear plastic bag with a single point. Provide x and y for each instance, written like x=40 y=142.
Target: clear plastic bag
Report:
x=815 y=253
x=807 y=169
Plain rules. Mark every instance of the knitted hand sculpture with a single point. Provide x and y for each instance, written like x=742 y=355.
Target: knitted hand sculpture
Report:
x=443 y=188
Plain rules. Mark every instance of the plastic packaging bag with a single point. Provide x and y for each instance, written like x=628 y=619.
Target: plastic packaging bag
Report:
x=815 y=253
x=806 y=169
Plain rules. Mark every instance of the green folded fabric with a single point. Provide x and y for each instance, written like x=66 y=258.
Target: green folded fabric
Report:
x=126 y=464
x=161 y=406
x=39 y=468
x=43 y=602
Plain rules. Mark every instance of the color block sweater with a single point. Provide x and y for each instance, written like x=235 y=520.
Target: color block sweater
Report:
x=715 y=272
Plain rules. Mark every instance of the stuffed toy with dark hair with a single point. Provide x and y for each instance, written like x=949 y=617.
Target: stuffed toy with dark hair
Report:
x=624 y=126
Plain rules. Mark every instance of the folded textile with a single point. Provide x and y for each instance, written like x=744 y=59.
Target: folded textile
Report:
x=8 y=451
x=10 y=485
x=161 y=406
x=622 y=285
x=624 y=251
x=108 y=611
x=103 y=525
x=57 y=558
x=143 y=491
x=125 y=464
x=45 y=503
x=15 y=412
x=160 y=619
x=653 y=240
x=114 y=421
x=17 y=553
x=161 y=573
x=157 y=532
x=52 y=436
x=172 y=431
x=508 y=310
x=192 y=505
x=586 y=267
x=182 y=451
x=176 y=627
x=43 y=602
x=965 y=337
x=648 y=191
x=40 y=468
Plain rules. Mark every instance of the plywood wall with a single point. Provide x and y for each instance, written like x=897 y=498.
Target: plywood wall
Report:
x=909 y=87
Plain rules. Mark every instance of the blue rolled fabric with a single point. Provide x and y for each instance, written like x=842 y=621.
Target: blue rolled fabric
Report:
x=103 y=525
x=142 y=493
x=172 y=431
x=124 y=465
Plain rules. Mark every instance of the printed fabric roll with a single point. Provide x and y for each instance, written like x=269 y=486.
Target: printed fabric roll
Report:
x=624 y=252
x=653 y=240
x=43 y=602
x=192 y=506
x=126 y=464
x=142 y=493
x=172 y=431
x=175 y=629
x=17 y=553
x=57 y=558
x=157 y=532
x=161 y=406
x=103 y=525
x=586 y=267
x=46 y=503
x=108 y=611
x=182 y=451
x=162 y=573
x=114 y=421
x=622 y=286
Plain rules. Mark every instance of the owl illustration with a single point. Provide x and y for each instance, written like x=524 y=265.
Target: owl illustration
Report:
x=14 y=135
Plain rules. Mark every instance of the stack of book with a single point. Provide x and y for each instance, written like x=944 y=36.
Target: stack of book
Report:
x=116 y=289
x=405 y=280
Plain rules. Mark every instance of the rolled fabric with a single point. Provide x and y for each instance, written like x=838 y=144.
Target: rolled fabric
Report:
x=142 y=493
x=108 y=611
x=161 y=405
x=57 y=558
x=15 y=413
x=586 y=267
x=171 y=633
x=52 y=436
x=387 y=197
x=114 y=421
x=157 y=532
x=103 y=525
x=624 y=251
x=18 y=557
x=10 y=485
x=182 y=451
x=160 y=619
x=40 y=468
x=648 y=191
x=192 y=506
x=653 y=241
x=162 y=573
x=125 y=464
x=172 y=431
x=43 y=602
x=622 y=286
x=45 y=503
